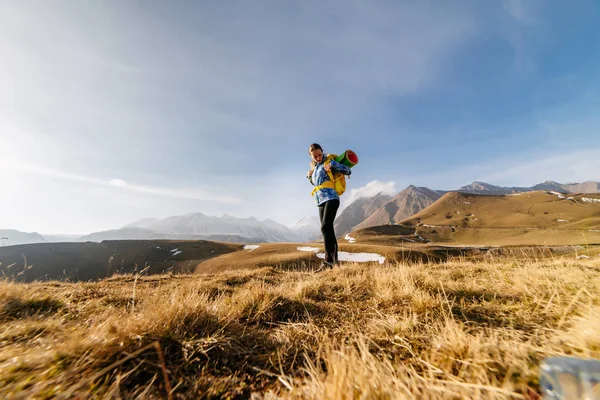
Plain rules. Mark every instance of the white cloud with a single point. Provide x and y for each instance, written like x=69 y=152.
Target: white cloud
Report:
x=117 y=182
x=369 y=190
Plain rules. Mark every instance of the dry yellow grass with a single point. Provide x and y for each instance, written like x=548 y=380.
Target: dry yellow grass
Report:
x=286 y=256
x=446 y=330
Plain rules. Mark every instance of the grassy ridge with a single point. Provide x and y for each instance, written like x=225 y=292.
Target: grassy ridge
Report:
x=533 y=218
x=447 y=330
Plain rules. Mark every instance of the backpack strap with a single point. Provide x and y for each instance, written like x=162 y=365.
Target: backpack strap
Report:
x=327 y=184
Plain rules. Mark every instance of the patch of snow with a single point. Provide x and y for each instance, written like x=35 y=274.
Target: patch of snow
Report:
x=514 y=194
x=313 y=249
x=350 y=239
x=570 y=198
x=582 y=257
x=251 y=247
x=560 y=195
x=408 y=240
x=590 y=200
x=158 y=247
x=357 y=257
x=177 y=252
x=430 y=226
x=174 y=250
x=466 y=202
x=352 y=257
x=561 y=220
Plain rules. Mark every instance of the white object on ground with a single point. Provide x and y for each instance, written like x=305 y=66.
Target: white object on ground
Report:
x=177 y=252
x=352 y=257
x=561 y=220
x=251 y=247
x=560 y=195
x=350 y=239
x=357 y=257
x=589 y=200
x=313 y=249
x=174 y=250
x=582 y=256
x=514 y=194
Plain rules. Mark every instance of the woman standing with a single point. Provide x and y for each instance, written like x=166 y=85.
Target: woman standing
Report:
x=327 y=200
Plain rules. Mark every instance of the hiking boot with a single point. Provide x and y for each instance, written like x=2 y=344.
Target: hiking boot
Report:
x=324 y=266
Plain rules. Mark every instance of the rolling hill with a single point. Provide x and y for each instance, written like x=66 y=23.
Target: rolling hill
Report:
x=93 y=261
x=542 y=218
x=9 y=237
x=414 y=199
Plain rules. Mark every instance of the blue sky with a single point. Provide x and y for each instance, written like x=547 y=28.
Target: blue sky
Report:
x=113 y=111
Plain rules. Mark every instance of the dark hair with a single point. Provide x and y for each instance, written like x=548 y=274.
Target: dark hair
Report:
x=313 y=147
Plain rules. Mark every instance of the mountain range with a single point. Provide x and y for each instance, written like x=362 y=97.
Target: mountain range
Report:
x=380 y=209
x=487 y=189
x=200 y=226
x=414 y=199
x=10 y=237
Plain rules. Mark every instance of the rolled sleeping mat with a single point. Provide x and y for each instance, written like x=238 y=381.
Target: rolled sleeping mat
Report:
x=348 y=158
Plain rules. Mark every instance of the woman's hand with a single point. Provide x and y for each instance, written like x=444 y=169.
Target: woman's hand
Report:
x=327 y=167
x=310 y=172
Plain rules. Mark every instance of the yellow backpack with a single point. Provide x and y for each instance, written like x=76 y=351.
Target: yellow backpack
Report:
x=337 y=179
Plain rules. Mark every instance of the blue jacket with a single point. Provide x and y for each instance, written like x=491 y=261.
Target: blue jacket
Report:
x=319 y=176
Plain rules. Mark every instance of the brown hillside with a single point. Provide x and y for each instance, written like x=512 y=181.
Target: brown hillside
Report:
x=285 y=256
x=358 y=211
x=91 y=261
x=389 y=235
x=528 y=218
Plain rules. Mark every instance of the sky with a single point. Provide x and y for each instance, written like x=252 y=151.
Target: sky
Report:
x=112 y=111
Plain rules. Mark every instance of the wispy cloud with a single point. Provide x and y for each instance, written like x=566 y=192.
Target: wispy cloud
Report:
x=562 y=167
x=522 y=169
x=19 y=167
x=522 y=11
x=243 y=76
x=226 y=94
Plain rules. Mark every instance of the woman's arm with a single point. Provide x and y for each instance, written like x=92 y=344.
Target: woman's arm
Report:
x=309 y=176
x=340 y=167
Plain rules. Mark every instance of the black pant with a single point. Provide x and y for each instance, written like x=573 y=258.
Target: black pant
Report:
x=327 y=213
